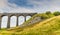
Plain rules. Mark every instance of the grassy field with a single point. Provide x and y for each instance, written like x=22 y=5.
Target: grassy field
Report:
x=50 y=26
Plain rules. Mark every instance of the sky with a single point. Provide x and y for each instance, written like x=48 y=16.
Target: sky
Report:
x=28 y=6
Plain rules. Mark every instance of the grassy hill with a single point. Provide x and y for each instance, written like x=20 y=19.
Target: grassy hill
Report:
x=50 y=26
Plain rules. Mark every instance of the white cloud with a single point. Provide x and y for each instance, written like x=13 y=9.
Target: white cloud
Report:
x=39 y=6
x=13 y=8
x=3 y=3
x=46 y=5
x=22 y=10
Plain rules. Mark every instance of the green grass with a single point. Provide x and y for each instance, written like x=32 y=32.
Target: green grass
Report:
x=39 y=15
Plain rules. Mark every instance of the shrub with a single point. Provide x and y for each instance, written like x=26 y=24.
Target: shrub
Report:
x=50 y=15
x=44 y=16
x=56 y=13
x=48 y=12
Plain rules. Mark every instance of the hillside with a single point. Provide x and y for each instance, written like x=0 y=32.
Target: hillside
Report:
x=48 y=27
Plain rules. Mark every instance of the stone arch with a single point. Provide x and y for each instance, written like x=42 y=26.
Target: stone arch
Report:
x=21 y=20
x=3 y=15
x=12 y=15
x=13 y=21
x=28 y=17
x=4 y=22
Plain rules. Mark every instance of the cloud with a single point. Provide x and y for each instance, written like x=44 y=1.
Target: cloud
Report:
x=47 y=5
x=3 y=3
x=5 y=6
x=27 y=6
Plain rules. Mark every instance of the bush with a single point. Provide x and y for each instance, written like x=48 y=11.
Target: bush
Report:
x=48 y=12
x=56 y=13
x=44 y=16
x=50 y=15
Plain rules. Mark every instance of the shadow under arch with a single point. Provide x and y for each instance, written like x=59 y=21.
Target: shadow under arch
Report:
x=21 y=19
x=13 y=21
x=4 y=22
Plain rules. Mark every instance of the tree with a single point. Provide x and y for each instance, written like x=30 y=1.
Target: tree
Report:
x=56 y=13
x=48 y=12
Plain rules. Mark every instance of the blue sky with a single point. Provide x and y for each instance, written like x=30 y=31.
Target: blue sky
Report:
x=27 y=6
x=22 y=3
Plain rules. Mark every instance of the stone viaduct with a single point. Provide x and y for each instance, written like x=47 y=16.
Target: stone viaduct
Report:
x=14 y=14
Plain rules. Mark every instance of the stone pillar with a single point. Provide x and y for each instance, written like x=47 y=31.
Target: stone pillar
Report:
x=17 y=22
x=0 y=21
x=25 y=18
x=8 y=24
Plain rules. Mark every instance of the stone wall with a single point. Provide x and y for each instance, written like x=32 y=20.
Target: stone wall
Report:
x=35 y=20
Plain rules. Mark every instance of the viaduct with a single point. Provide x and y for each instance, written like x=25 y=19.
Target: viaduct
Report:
x=14 y=14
